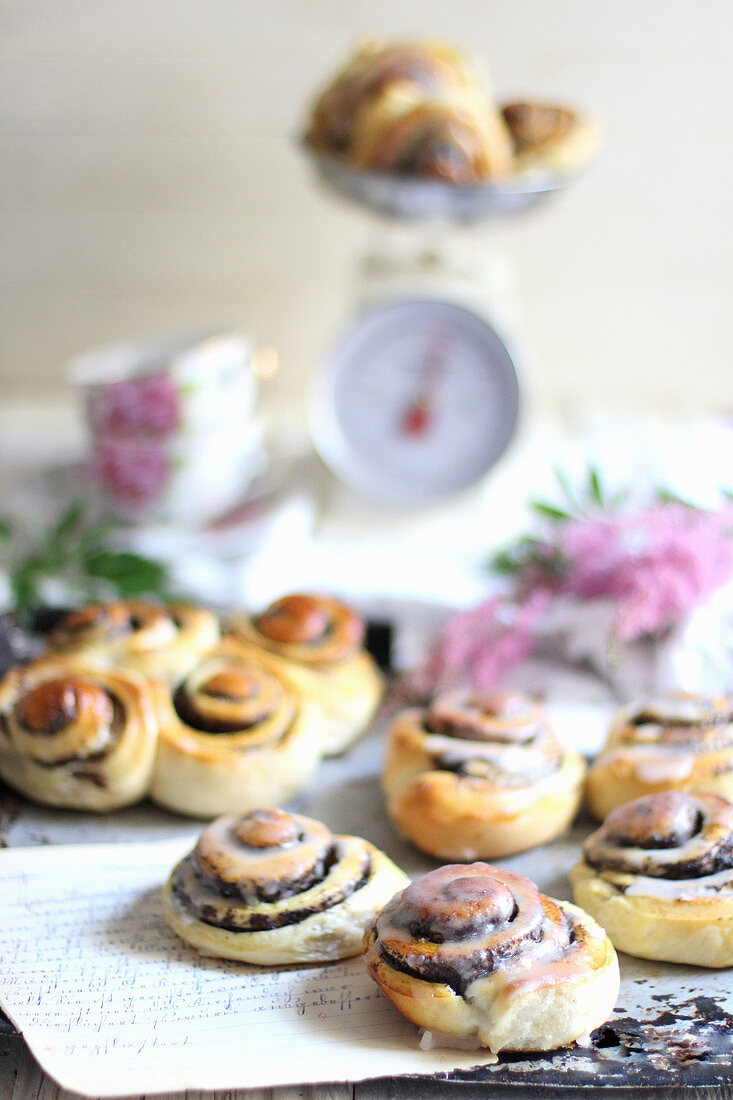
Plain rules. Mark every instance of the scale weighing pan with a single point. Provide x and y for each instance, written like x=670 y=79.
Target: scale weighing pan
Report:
x=410 y=198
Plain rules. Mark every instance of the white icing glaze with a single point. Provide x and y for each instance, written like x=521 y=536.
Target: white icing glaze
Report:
x=668 y=711
x=663 y=767
x=516 y=760
x=709 y=886
x=651 y=763
x=437 y=1040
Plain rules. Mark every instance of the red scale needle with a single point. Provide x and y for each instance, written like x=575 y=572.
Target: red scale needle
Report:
x=418 y=417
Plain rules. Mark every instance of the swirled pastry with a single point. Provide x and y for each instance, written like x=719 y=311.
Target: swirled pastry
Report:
x=479 y=777
x=459 y=139
x=318 y=640
x=478 y=951
x=154 y=640
x=75 y=736
x=550 y=138
x=684 y=742
x=417 y=68
x=273 y=888
x=658 y=875
x=234 y=732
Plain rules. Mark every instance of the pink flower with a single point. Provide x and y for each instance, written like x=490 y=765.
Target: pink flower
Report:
x=148 y=405
x=655 y=565
x=481 y=645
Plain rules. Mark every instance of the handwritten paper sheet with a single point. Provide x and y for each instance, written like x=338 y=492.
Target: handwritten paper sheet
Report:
x=111 y=1003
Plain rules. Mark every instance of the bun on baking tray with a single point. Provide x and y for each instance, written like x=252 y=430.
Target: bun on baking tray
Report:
x=681 y=742
x=479 y=777
x=156 y=640
x=475 y=951
x=319 y=642
x=76 y=736
x=235 y=732
x=274 y=888
x=658 y=875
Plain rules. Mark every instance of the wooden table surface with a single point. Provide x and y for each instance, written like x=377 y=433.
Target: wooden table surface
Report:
x=22 y=1079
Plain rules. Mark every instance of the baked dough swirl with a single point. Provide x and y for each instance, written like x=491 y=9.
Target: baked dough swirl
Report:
x=153 y=639
x=658 y=875
x=234 y=732
x=474 y=777
x=459 y=139
x=376 y=70
x=273 y=888
x=319 y=640
x=76 y=736
x=474 y=950
x=550 y=137
x=683 y=742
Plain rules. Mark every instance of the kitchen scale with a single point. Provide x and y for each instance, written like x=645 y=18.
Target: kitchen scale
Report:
x=420 y=396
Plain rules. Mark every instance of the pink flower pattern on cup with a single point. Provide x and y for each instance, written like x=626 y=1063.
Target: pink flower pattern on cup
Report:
x=132 y=475
x=146 y=405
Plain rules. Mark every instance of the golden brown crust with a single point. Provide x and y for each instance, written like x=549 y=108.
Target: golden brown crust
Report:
x=698 y=932
x=482 y=794
x=375 y=70
x=305 y=628
x=477 y=951
x=550 y=137
x=236 y=731
x=273 y=888
x=459 y=139
x=658 y=875
x=317 y=640
x=76 y=736
x=683 y=742
x=418 y=109
x=155 y=640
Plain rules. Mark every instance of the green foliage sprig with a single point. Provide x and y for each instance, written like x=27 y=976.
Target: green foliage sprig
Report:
x=83 y=557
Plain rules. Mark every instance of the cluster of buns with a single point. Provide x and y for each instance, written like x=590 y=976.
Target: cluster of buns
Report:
x=419 y=109
x=134 y=698
x=470 y=952
x=476 y=777
x=467 y=950
x=658 y=874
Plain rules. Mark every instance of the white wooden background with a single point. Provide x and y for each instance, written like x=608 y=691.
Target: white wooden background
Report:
x=150 y=181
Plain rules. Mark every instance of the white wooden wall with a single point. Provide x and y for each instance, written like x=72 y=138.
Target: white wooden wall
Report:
x=150 y=181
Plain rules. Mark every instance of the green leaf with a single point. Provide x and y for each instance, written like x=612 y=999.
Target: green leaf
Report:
x=666 y=496
x=527 y=551
x=94 y=539
x=6 y=529
x=131 y=574
x=550 y=511
x=567 y=487
x=594 y=486
x=506 y=562
x=25 y=588
x=619 y=498
x=68 y=524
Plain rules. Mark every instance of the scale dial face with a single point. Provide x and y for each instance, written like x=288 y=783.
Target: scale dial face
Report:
x=418 y=402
